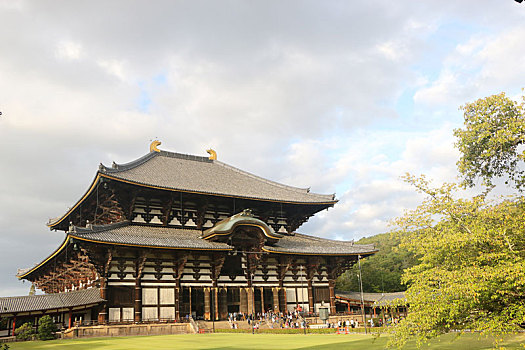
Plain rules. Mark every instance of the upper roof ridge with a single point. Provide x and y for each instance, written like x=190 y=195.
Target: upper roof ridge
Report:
x=115 y=167
x=185 y=156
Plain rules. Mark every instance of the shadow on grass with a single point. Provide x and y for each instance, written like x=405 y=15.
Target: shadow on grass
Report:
x=60 y=345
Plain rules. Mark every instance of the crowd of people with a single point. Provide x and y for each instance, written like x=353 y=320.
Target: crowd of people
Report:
x=289 y=319
x=344 y=323
x=376 y=322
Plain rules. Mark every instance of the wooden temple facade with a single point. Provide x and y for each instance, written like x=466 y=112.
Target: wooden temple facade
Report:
x=169 y=236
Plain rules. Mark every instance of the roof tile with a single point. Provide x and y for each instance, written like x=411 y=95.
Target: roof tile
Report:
x=202 y=175
x=169 y=237
x=27 y=303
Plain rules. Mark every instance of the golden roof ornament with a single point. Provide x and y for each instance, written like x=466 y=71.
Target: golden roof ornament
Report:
x=213 y=154
x=153 y=146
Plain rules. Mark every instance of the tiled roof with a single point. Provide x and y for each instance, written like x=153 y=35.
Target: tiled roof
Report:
x=304 y=244
x=151 y=236
x=27 y=303
x=201 y=175
x=390 y=297
x=169 y=237
x=377 y=298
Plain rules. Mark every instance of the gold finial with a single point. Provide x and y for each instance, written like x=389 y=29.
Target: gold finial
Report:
x=213 y=154
x=153 y=146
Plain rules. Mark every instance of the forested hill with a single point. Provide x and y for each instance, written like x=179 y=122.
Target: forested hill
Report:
x=382 y=271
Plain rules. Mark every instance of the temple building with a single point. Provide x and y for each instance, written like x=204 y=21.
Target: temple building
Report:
x=374 y=304
x=171 y=235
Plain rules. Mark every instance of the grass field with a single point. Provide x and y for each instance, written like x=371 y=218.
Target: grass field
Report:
x=261 y=341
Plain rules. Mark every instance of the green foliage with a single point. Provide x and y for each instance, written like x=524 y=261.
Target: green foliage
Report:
x=491 y=141
x=4 y=347
x=25 y=331
x=46 y=328
x=382 y=271
x=472 y=270
x=3 y=322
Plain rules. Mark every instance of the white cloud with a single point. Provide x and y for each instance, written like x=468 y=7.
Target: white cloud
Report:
x=376 y=193
x=116 y=68
x=481 y=66
x=69 y=50
x=18 y=5
x=392 y=50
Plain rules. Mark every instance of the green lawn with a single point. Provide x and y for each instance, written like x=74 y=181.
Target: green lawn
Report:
x=260 y=341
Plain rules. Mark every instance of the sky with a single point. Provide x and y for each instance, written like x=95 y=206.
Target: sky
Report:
x=338 y=96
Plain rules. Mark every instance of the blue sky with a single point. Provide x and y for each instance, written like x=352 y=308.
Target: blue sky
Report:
x=337 y=96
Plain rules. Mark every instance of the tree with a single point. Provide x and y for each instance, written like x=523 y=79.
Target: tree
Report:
x=471 y=273
x=25 y=331
x=46 y=328
x=491 y=143
x=381 y=271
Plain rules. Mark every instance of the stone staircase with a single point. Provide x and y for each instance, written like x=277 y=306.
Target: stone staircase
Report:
x=205 y=327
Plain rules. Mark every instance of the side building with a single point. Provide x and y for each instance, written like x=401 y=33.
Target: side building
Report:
x=170 y=235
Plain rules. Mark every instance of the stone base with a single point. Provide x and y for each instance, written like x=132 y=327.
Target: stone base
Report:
x=128 y=330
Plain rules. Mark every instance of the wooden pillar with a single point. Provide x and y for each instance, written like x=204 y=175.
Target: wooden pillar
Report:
x=283 y=305
x=275 y=292
x=190 y=303
x=138 y=301
x=331 y=288
x=223 y=304
x=14 y=324
x=178 y=293
x=262 y=299
x=244 y=300
x=70 y=318
x=348 y=307
x=311 y=306
x=216 y=303
x=179 y=261
x=103 y=314
x=249 y=295
x=207 y=306
x=215 y=291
